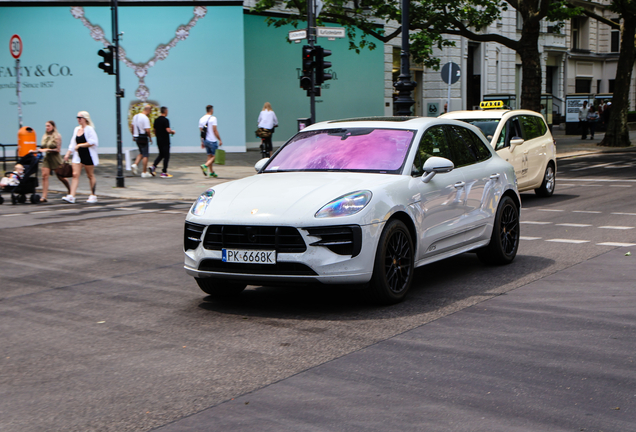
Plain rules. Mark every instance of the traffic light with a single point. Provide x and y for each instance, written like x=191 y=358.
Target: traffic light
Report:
x=308 y=67
x=107 y=65
x=321 y=65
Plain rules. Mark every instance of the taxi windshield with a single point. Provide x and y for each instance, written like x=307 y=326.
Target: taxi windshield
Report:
x=348 y=149
x=487 y=126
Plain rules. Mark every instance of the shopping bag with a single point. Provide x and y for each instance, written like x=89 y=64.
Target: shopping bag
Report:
x=219 y=157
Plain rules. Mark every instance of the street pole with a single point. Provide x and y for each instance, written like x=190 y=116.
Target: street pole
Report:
x=18 y=91
x=311 y=35
x=404 y=85
x=118 y=95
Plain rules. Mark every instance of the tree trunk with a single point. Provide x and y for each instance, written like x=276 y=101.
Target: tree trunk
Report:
x=530 y=65
x=617 y=134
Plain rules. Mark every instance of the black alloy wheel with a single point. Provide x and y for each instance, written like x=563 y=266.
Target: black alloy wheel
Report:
x=504 y=241
x=394 y=264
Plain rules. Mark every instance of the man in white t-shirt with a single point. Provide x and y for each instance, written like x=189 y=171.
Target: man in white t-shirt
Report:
x=583 y=119
x=211 y=141
x=140 y=129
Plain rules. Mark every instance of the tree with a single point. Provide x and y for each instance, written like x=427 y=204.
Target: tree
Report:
x=431 y=19
x=617 y=134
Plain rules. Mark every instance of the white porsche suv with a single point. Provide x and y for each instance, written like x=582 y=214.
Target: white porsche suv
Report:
x=522 y=138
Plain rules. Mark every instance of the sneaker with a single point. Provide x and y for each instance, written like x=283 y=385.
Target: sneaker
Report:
x=69 y=199
x=91 y=199
x=213 y=174
x=134 y=169
x=152 y=170
x=204 y=168
x=166 y=175
x=146 y=175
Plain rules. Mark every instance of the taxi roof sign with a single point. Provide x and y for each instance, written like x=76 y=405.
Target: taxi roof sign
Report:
x=491 y=104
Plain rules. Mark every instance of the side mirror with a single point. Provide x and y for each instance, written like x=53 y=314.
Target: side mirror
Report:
x=436 y=165
x=260 y=164
x=514 y=142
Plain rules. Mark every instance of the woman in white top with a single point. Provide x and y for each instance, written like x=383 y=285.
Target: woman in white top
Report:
x=83 y=147
x=267 y=120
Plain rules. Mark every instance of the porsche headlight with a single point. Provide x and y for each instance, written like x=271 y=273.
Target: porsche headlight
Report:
x=346 y=205
x=202 y=203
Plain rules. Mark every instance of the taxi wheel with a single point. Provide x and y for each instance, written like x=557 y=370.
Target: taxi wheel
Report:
x=549 y=182
x=504 y=240
x=394 y=264
x=219 y=288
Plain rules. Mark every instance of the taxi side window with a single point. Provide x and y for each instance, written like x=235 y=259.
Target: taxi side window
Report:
x=501 y=142
x=433 y=143
x=462 y=146
x=541 y=125
x=531 y=127
x=514 y=129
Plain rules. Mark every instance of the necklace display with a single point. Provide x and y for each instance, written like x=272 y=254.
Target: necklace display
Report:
x=161 y=52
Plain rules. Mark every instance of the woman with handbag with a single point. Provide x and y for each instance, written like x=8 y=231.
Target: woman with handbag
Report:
x=267 y=120
x=50 y=147
x=83 y=147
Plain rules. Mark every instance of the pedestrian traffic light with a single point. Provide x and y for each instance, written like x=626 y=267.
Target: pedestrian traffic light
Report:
x=308 y=67
x=107 y=65
x=321 y=65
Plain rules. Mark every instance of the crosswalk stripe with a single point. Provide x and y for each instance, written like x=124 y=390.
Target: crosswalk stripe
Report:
x=568 y=241
x=574 y=225
x=617 y=244
x=535 y=223
x=617 y=227
x=529 y=238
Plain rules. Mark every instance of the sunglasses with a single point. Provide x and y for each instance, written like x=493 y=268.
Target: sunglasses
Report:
x=80 y=117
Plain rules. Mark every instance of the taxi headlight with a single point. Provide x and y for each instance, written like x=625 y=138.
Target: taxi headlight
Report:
x=345 y=205
x=201 y=204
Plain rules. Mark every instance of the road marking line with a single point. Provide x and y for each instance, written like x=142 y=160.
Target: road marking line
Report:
x=616 y=244
x=574 y=225
x=566 y=184
x=172 y=212
x=13 y=214
x=620 y=185
x=535 y=223
x=529 y=238
x=624 y=214
x=549 y=210
x=598 y=180
x=568 y=241
x=617 y=227
x=594 y=166
x=43 y=211
x=586 y=211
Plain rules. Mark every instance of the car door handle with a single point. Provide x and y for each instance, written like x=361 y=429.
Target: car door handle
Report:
x=459 y=185
x=494 y=177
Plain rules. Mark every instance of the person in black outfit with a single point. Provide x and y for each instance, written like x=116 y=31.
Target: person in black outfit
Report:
x=162 y=132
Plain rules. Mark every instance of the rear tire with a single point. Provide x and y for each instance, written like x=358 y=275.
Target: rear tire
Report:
x=1 y=200
x=504 y=241
x=35 y=198
x=21 y=198
x=220 y=288
x=394 y=264
x=549 y=182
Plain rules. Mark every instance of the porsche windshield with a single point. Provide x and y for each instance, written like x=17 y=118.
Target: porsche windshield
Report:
x=350 y=149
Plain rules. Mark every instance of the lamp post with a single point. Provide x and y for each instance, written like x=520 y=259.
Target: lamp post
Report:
x=404 y=85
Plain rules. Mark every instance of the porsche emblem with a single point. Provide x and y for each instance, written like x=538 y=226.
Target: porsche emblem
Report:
x=254 y=211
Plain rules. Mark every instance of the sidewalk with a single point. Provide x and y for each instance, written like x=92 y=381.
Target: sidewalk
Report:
x=188 y=181
x=554 y=355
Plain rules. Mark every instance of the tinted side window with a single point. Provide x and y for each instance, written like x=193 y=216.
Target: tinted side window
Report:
x=433 y=143
x=462 y=146
x=531 y=128
x=481 y=150
x=515 y=129
x=541 y=125
x=501 y=141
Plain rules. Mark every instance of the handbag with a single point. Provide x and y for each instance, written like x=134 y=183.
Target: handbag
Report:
x=263 y=133
x=219 y=157
x=64 y=170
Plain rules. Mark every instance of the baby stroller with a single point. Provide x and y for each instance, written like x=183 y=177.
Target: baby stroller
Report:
x=27 y=183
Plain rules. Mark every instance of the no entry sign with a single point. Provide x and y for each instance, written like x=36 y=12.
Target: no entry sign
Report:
x=15 y=45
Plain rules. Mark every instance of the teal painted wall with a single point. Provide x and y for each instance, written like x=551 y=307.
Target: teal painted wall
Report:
x=61 y=75
x=271 y=75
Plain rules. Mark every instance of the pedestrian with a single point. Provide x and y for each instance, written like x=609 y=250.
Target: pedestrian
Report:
x=51 y=147
x=583 y=119
x=267 y=120
x=606 y=114
x=592 y=119
x=162 y=132
x=83 y=147
x=210 y=139
x=140 y=129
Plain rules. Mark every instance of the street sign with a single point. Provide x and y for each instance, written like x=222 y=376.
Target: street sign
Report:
x=455 y=73
x=15 y=45
x=432 y=109
x=298 y=35
x=331 y=32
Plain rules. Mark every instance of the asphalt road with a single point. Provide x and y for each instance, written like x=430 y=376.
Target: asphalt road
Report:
x=102 y=330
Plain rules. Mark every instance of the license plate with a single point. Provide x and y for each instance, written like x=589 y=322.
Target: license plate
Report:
x=249 y=256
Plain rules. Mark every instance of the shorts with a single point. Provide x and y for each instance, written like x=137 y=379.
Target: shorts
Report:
x=143 y=149
x=211 y=146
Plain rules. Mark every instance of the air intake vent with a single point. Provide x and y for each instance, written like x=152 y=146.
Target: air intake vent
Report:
x=342 y=240
x=192 y=235
x=280 y=239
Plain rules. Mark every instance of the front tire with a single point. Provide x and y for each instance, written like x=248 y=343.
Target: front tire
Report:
x=220 y=288
x=504 y=241
x=549 y=182
x=394 y=264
